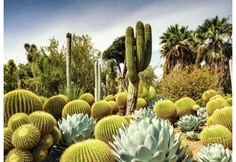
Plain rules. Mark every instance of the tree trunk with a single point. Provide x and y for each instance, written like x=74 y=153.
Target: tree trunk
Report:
x=132 y=97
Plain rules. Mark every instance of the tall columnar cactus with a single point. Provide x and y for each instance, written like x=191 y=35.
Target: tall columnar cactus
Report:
x=20 y=101
x=107 y=85
x=98 y=85
x=138 y=56
x=68 y=62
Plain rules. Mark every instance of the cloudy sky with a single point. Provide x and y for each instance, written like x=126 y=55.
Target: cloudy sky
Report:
x=37 y=21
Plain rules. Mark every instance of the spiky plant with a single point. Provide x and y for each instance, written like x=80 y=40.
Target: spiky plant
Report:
x=121 y=100
x=208 y=94
x=7 y=139
x=18 y=155
x=114 y=107
x=143 y=113
x=188 y=123
x=141 y=103
x=101 y=109
x=88 y=97
x=17 y=120
x=56 y=135
x=184 y=106
x=148 y=140
x=217 y=103
x=39 y=153
x=192 y=135
x=109 y=98
x=214 y=152
x=202 y=115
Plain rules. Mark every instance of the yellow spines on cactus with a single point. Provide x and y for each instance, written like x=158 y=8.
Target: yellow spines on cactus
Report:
x=65 y=97
x=18 y=155
x=230 y=101
x=88 y=151
x=166 y=110
x=216 y=96
x=39 y=153
x=46 y=141
x=129 y=117
x=76 y=107
x=108 y=126
x=88 y=97
x=141 y=103
x=114 y=107
x=101 y=109
x=184 y=106
x=216 y=134
x=217 y=103
x=17 y=120
x=7 y=139
x=20 y=101
x=56 y=135
x=121 y=100
x=208 y=94
x=26 y=137
x=222 y=116
x=109 y=98
x=43 y=121
x=54 y=106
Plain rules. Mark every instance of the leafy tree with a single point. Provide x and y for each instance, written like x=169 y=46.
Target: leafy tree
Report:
x=10 y=76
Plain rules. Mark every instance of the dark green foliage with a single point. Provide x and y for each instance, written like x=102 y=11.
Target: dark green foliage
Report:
x=191 y=82
x=20 y=101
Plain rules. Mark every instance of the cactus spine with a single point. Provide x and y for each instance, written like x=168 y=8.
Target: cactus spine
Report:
x=98 y=88
x=137 y=59
x=68 y=62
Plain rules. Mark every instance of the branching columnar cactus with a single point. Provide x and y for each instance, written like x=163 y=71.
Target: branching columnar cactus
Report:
x=202 y=115
x=148 y=140
x=217 y=103
x=216 y=134
x=76 y=127
x=88 y=151
x=188 y=123
x=184 y=106
x=143 y=113
x=108 y=126
x=138 y=56
x=223 y=117
x=54 y=106
x=20 y=101
x=214 y=152
x=166 y=110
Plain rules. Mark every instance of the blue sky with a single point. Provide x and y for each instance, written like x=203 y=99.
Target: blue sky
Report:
x=37 y=21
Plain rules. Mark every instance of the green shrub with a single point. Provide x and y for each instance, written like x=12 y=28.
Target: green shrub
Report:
x=191 y=82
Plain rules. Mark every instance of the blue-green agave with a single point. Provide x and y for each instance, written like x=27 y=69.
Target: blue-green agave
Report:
x=75 y=127
x=192 y=135
x=215 y=153
x=148 y=140
x=188 y=123
x=143 y=113
x=202 y=115
x=154 y=101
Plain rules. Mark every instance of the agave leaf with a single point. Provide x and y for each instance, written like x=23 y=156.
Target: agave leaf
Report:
x=174 y=159
x=125 y=156
x=163 y=145
x=158 y=156
x=173 y=150
x=172 y=136
x=132 y=128
x=85 y=119
x=150 y=142
x=86 y=133
x=181 y=152
x=77 y=138
x=143 y=126
x=143 y=153
x=136 y=160
x=131 y=147
x=138 y=137
x=153 y=131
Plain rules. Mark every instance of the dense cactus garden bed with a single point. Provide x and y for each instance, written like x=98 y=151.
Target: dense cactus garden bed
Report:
x=157 y=134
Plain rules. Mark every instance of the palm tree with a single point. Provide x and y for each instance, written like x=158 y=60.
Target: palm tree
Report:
x=176 y=48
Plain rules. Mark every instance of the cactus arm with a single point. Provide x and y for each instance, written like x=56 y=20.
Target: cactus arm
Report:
x=148 y=45
x=130 y=55
x=68 y=62
x=96 y=78
x=140 y=43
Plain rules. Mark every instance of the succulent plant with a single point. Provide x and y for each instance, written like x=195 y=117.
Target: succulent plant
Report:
x=214 y=152
x=184 y=106
x=7 y=139
x=143 y=113
x=76 y=107
x=20 y=101
x=46 y=141
x=56 y=135
x=188 y=123
x=217 y=103
x=208 y=94
x=26 y=137
x=39 y=153
x=129 y=117
x=202 y=115
x=121 y=100
x=101 y=109
x=109 y=98
x=54 y=106
x=216 y=96
x=230 y=101
x=17 y=120
x=75 y=128
x=195 y=107
x=216 y=134
x=18 y=155
x=114 y=107
x=108 y=126
x=141 y=103
x=222 y=116
x=43 y=121
x=88 y=151
x=192 y=135
x=148 y=140
x=88 y=97
x=154 y=101
x=166 y=110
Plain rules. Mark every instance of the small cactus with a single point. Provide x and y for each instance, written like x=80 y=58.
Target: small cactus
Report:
x=192 y=135
x=101 y=109
x=188 y=123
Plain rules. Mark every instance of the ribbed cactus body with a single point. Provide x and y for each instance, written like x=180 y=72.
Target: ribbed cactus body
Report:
x=7 y=139
x=141 y=103
x=230 y=101
x=76 y=107
x=217 y=103
x=223 y=117
x=54 y=106
x=216 y=134
x=107 y=127
x=46 y=141
x=39 y=153
x=20 y=101
x=18 y=155
x=26 y=137
x=109 y=98
x=88 y=151
x=56 y=135
x=208 y=94
x=43 y=121
x=184 y=106
x=88 y=97
x=166 y=110
x=101 y=109
x=114 y=107
x=17 y=120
